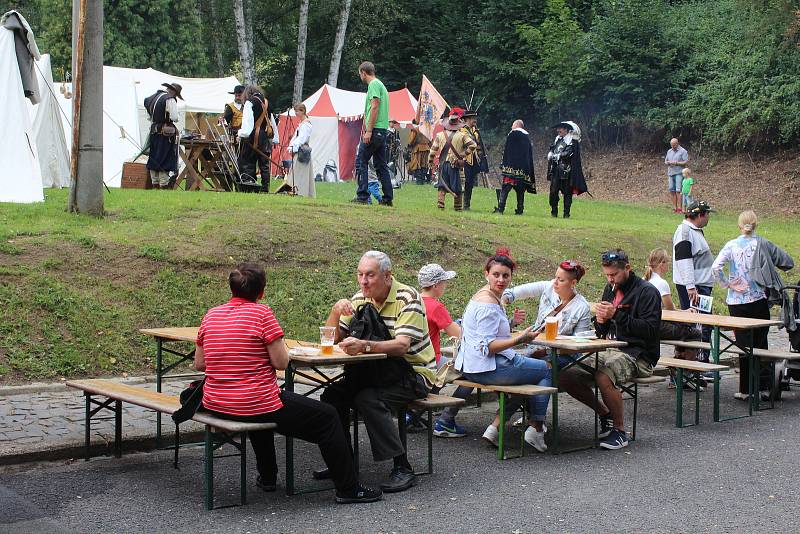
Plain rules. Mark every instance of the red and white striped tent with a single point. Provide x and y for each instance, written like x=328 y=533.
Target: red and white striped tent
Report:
x=337 y=117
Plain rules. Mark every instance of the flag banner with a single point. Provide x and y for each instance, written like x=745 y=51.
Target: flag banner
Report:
x=431 y=107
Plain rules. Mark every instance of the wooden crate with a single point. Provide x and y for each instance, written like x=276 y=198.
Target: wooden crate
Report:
x=135 y=176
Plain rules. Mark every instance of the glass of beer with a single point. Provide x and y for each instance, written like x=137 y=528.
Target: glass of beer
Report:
x=327 y=335
x=550 y=328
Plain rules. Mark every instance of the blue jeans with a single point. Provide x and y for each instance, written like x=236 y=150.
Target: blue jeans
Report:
x=377 y=151
x=517 y=371
x=374 y=189
x=686 y=200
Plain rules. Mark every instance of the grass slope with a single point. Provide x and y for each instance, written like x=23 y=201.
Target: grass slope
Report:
x=75 y=290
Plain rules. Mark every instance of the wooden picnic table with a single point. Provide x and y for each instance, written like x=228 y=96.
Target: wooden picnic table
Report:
x=718 y=323
x=583 y=346
x=201 y=158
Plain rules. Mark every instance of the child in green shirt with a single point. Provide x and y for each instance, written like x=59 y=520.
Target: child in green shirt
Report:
x=686 y=188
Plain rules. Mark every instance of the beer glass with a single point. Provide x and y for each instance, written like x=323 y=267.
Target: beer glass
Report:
x=550 y=328
x=327 y=335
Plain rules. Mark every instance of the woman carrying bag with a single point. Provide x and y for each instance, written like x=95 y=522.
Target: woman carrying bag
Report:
x=302 y=178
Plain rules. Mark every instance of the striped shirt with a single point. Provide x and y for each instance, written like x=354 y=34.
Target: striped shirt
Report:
x=240 y=380
x=404 y=314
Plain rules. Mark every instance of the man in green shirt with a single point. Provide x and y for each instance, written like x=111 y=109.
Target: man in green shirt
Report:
x=403 y=312
x=373 y=139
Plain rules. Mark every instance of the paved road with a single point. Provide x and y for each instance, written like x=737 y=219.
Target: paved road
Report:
x=735 y=476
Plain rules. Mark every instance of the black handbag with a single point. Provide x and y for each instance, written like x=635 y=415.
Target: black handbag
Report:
x=191 y=401
x=368 y=325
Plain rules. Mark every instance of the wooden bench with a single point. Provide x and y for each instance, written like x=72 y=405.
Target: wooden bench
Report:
x=430 y=403
x=218 y=431
x=680 y=379
x=503 y=393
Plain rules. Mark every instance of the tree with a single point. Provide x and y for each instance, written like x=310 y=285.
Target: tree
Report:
x=300 y=66
x=338 y=44
x=244 y=38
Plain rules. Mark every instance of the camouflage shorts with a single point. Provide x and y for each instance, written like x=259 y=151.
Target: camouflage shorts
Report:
x=620 y=367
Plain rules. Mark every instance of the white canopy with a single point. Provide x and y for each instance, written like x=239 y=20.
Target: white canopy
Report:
x=125 y=122
x=20 y=176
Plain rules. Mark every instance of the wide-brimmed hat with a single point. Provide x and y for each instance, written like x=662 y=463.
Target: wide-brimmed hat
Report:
x=566 y=125
x=432 y=274
x=454 y=121
x=239 y=89
x=698 y=207
x=175 y=87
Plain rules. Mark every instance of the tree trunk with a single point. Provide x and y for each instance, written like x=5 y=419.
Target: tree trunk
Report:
x=248 y=10
x=338 y=43
x=245 y=48
x=300 y=69
x=218 y=61
x=86 y=187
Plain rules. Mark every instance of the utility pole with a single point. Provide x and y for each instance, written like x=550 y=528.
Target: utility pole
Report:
x=86 y=187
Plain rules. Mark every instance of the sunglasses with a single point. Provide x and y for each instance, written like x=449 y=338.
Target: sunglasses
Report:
x=612 y=256
x=570 y=265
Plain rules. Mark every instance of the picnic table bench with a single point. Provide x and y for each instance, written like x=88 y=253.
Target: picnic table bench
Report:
x=218 y=431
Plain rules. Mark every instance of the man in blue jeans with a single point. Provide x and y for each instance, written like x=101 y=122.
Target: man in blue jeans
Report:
x=374 y=138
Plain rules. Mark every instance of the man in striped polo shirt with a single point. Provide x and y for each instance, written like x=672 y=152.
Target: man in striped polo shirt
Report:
x=403 y=311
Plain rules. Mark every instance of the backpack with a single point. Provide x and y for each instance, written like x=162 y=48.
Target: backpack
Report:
x=368 y=325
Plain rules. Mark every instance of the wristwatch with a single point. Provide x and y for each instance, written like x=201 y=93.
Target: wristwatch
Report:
x=367 y=348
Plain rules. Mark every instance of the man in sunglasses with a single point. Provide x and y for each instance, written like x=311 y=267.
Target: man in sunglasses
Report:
x=629 y=311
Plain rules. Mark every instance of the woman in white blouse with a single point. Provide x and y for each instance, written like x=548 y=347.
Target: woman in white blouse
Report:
x=302 y=175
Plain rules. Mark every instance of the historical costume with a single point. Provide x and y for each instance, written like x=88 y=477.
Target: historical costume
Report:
x=420 y=146
x=517 y=168
x=162 y=108
x=476 y=162
x=255 y=137
x=233 y=111
x=301 y=175
x=453 y=147
x=564 y=169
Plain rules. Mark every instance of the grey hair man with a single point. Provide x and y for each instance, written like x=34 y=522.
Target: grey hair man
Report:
x=676 y=160
x=381 y=388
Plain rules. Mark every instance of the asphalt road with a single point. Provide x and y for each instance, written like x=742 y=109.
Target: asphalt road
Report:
x=736 y=476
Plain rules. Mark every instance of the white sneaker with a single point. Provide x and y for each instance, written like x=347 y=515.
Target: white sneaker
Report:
x=536 y=439
x=740 y=396
x=491 y=435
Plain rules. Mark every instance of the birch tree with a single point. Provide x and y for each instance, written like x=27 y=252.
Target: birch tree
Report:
x=300 y=69
x=338 y=43
x=245 y=47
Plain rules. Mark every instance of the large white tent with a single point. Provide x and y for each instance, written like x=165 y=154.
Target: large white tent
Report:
x=336 y=117
x=20 y=175
x=50 y=136
x=125 y=122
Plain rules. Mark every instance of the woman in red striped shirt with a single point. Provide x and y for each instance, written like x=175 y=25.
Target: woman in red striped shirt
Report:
x=240 y=346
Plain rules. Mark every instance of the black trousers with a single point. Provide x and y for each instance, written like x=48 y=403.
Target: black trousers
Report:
x=250 y=160
x=377 y=407
x=471 y=173
x=309 y=420
x=758 y=336
x=520 y=189
x=563 y=187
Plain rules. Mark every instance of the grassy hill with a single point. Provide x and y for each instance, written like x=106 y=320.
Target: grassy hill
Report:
x=75 y=290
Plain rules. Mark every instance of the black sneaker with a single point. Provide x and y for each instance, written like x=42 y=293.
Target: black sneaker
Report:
x=386 y=203
x=358 y=201
x=361 y=493
x=695 y=383
x=268 y=485
x=617 y=439
x=554 y=214
x=606 y=426
x=497 y=210
x=400 y=479
x=322 y=474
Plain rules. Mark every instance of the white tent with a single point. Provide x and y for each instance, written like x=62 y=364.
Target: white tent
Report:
x=47 y=130
x=20 y=176
x=125 y=122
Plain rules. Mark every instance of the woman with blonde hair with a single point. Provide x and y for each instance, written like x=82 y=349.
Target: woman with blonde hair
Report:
x=658 y=262
x=302 y=174
x=752 y=283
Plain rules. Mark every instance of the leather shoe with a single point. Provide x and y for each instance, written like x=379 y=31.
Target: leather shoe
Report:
x=360 y=494
x=266 y=485
x=358 y=201
x=322 y=474
x=400 y=479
